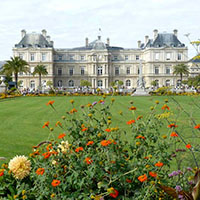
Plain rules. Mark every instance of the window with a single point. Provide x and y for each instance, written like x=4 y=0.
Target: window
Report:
x=137 y=57
x=32 y=84
x=59 y=71
x=115 y=57
x=157 y=83
x=126 y=57
x=178 y=82
x=156 y=56
x=32 y=69
x=128 y=83
x=21 y=55
x=179 y=56
x=32 y=56
x=71 y=71
x=167 y=70
x=43 y=56
x=128 y=70
x=71 y=83
x=60 y=57
x=116 y=70
x=99 y=83
x=82 y=70
x=59 y=83
x=99 y=70
x=21 y=84
x=168 y=56
x=167 y=83
x=71 y=57
x=82 y=57
x=20 y=73
x=156 y=70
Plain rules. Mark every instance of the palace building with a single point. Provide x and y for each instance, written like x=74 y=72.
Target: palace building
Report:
x=100 y=63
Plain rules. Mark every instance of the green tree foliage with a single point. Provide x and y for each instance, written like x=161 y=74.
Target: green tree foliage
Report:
x=181 y=69
x=85 y=83
x=40 y=70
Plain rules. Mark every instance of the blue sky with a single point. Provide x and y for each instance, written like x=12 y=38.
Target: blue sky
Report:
x=125 y=22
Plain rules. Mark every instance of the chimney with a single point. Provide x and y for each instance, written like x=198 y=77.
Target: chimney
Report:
x=155 y=33
x=108 y=41
x=23 y=33
x=86 y=42
x=48 y=39
x=146 y=39
x=175 y=32
x=139 y=43
x=44 y=32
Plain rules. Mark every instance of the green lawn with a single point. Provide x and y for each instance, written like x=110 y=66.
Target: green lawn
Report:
x=21 y=119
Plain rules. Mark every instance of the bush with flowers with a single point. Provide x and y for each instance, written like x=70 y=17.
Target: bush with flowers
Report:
x=89 y=160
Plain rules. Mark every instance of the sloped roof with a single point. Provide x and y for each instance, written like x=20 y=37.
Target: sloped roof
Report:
x=34 y=40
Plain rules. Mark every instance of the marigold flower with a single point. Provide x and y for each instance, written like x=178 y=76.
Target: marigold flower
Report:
x=88 y=160
x=174 y=134
x=164 y=136
x=132 y=108
x=130 y=122
x=46 y=124
x=53 y=195
x=55 y=183
x=159 y=164
x=112 y=99
x=142 y=178
x=58 y=123
x=79 y=149
x=71 y=101
x=153 y=174
x=165 y=107
x=1 y=172
x=20 y=166
x=84 y=129
x=73 y=111
x=157 y=102
x=108 y=130
x=49 y=146
x=105 y=142
x=139 y=117
x=197 y=126
x=46 y=155
x=62 y=135
x=188 y=146
x=50 y=103
x=128 y=180
x=140 y=136
x=40 y=171
x=90 y=143
x=114 y=193
x=172 y=125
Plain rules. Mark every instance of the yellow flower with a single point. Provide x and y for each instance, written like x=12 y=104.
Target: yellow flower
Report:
x=23 y=192
x=166 y=100
x=53 y=195
x=51 y=129
x=104 y=96
x=99 y=135
x=89 y=115
x=112 y=99
x=20 y=166
x=164 y=136
x=15 y=196
x=71 y=101
x=24 y=197
x=150 y=156
x=138 y=143
x=109 y=117
x=147 y=166
x=110 y=190
x=63 y=117
x=151 y=108
x=157 y=102
x=109 y=121
x=120 y=112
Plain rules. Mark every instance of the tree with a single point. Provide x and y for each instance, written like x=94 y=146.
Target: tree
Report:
x=120 y=83
x=15 y=65
x=181 y=69
x=40 y=70
x=154 y=83
x=85 y=83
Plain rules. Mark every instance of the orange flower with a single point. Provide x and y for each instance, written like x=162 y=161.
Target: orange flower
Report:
x=146 y=157
x=49 y=146
x=188 y=146
x=2 y=172
x=55 y=183
x=172 y=125
x=114 y=194
x=79 y=149
x=159 y=164
x=140 y=136
x=165 y=107
x=108 y=130
x=58 y=123
x=128 y=180
x=73 y=111
x=142 y=178
x=46 y=155
x=84 y=129
x=40 y=171
x=100 y=101
x=50 y=103
x=90 y=143
x=132 y=108
x=139 y=117
x=88 y=160
x=130 y=122
x=46 y=124
x=197 y=126
x=62 y=135
x=105 y=142
x=153 y=174
x=174 y=134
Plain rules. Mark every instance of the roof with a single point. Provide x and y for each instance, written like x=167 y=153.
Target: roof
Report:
x=34 y=40
x=164 y=40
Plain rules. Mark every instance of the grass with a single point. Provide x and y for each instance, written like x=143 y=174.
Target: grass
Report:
x=21 y=119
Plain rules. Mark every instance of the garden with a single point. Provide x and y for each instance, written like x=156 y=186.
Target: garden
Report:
x=100 y=147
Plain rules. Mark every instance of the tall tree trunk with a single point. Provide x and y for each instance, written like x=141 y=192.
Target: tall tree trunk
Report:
x=181 y=77
x=16 y=79
x=40 y=80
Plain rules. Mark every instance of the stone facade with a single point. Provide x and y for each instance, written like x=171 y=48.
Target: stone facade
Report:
x=100 y=63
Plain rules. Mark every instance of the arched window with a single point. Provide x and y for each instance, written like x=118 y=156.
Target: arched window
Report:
x=99 y=70
x=32 y=84
x=128 y=83
x=100 y=83
x=71 y=83
x=167 y=83
x=59 y=83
